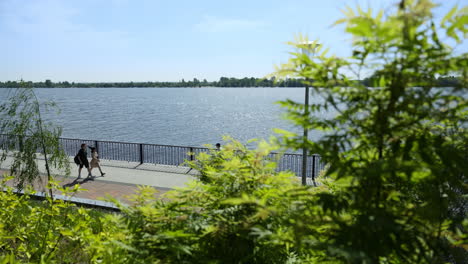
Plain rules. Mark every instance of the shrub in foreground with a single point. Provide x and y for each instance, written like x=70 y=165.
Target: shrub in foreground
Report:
x=242 y=211
x=54 y=231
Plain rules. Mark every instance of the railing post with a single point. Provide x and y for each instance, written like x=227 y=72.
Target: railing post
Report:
x=191 y=153
x=141 y=154
x=96 y=145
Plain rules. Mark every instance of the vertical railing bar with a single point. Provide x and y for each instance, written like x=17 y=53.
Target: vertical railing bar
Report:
x=141 y=153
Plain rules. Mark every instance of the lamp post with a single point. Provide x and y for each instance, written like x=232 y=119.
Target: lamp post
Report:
x=306 y=48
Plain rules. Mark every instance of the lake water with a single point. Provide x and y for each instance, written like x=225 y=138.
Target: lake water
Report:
x=173 y=116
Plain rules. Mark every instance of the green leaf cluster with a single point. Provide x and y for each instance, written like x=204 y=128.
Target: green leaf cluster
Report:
x=30 y=136
x=239 y=212
x=245 y=212
x=242 y=212
x=54 y=231
x=397 y=152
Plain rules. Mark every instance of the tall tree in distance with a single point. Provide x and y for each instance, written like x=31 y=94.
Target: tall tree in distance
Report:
x=48 y=83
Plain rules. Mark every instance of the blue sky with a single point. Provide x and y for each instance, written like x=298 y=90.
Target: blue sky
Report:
x=152 y=40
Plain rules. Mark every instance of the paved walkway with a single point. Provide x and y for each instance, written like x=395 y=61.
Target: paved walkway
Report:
x=121 y=179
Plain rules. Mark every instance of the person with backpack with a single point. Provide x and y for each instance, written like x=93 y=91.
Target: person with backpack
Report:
x=81 y=159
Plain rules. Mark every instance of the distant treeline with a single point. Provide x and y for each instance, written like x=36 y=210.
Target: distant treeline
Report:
x=223 y=82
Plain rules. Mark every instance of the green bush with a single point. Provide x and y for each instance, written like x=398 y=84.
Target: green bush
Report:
x=398 y=150
x=52 y=230
x=245 y=212
x=242 y=212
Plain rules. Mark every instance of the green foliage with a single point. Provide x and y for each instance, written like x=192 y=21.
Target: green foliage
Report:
x=20 y=116
x=394 y=190
x=222 y=82
x=53 y=231
x=245 y=212
x=398 y=153
x=48 y=83
x=228 y=217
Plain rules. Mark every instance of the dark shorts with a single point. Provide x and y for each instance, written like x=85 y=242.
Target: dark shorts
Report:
x=85 y=163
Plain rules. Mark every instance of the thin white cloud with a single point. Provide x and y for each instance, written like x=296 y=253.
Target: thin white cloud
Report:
x=50 y=18
x=216 y=24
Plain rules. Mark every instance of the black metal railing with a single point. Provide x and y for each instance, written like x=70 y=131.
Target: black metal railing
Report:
x=168 y=154
x=293 y=162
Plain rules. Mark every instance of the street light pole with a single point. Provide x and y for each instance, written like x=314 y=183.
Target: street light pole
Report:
x=306 y=46
x=304 y=149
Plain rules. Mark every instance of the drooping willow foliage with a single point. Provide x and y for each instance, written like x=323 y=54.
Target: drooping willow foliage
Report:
x=26 y=136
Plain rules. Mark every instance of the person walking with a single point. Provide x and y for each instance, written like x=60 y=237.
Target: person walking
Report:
x=95 y=161
x=82 y=161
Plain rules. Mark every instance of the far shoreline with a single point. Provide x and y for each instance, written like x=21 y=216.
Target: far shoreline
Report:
x=157 y=87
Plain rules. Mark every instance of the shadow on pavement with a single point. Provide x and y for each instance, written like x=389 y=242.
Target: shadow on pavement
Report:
x=80 y=181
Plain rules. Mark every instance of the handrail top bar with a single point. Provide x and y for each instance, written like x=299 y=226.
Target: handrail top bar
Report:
x=121 y=142
x=160 y=145
x=135 y=143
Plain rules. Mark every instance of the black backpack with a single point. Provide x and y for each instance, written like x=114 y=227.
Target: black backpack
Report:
x=77 y=160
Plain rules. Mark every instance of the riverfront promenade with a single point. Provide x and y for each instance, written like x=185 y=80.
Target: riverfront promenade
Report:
x=121 y=179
